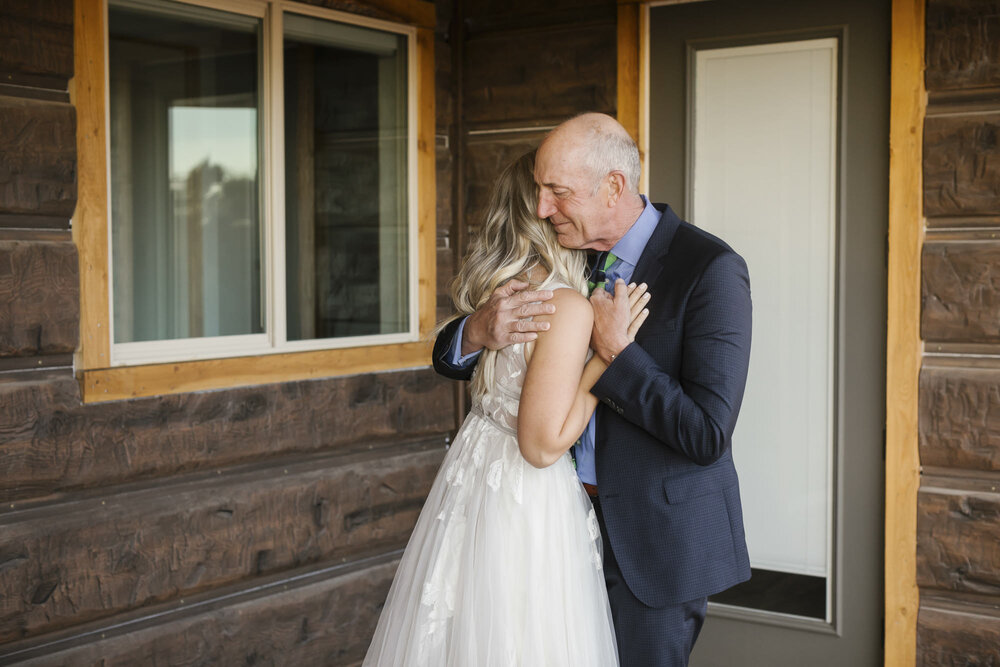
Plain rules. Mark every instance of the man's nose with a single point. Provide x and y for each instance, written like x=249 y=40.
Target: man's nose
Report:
x=545 y=205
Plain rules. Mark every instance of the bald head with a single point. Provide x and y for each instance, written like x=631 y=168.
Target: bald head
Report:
x=600 y=143
x=587 y=171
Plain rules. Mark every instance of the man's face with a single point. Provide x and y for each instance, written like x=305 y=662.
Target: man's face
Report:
x=567 y=199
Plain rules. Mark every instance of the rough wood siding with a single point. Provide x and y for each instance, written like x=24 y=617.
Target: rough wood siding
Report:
x=948 y=636
x=323 y=618
x=37 y=161
x=39 y=276
x=958 y=538
x=53 y=444
x=37 y=38
x=960 y=418
x=958 y=511
x=253 y=525
x=962 y=165
x=40 y=297
x=963 y=44
x=108 y=553
x=528 y=63
x=485 y=158
x=525 y=75
x=961 y=291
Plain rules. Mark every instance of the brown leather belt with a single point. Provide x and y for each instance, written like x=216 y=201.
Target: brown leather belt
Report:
x=590 y=489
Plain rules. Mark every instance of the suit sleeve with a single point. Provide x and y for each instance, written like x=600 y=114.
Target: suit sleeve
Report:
x=442 y=357
x=693 y=414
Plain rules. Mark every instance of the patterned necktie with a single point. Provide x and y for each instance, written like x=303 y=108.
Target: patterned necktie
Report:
x=598 y=275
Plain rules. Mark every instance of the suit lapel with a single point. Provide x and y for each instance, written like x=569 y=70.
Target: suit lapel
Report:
x=651 y=261
x=648 y=270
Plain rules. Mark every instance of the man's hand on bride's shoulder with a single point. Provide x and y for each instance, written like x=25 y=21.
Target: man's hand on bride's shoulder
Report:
x=505 y=318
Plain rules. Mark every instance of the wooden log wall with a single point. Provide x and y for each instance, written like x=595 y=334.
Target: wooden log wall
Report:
x=38 y=264
x=958 y=522
x=257 y=525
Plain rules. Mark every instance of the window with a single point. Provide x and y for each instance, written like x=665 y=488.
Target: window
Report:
x=186 y=197
x=268 y=165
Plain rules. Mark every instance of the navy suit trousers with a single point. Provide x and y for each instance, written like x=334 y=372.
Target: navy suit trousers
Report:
x=648 y=636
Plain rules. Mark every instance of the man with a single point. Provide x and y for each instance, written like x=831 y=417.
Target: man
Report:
x=656 y=458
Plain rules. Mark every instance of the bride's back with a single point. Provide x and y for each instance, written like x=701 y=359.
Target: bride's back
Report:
x=501 y=396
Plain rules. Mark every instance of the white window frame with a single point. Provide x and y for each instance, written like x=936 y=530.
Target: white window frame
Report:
x=272 y=170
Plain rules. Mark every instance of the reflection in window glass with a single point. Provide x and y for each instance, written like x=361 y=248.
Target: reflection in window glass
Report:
x=345 y=180
x=186 y=228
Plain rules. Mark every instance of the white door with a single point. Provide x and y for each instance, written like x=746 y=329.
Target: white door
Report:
x=768 y=126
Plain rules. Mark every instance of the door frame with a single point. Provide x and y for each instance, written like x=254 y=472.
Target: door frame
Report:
x=908 y=103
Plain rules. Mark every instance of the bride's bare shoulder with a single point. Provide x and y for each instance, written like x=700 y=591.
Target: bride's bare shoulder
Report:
x=570 y=306
x=572 y=320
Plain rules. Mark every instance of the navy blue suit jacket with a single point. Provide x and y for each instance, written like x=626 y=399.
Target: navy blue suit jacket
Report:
x=668 y=406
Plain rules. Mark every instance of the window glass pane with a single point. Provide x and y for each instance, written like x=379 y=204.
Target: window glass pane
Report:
x=345 y=180
x=185 y=172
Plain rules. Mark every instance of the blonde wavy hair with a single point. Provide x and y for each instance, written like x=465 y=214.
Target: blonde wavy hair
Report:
x=511 y=242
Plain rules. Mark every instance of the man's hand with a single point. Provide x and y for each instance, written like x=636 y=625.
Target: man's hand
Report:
x=616 y=319
x=503 y=320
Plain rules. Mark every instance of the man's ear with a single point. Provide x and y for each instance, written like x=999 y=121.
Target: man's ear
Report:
x=616 y=187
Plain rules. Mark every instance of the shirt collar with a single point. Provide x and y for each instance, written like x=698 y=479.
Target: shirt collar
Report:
x=629 y=247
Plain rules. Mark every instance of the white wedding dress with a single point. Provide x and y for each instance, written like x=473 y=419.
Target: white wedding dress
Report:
x=504 y=564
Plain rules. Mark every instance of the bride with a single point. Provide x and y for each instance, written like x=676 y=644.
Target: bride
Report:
x=504 y=564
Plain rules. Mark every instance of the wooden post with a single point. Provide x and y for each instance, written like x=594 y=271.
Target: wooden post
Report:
x=90 y=221
x=628 y=67
x=633 y=61
x=426 y=180
x=903 y=350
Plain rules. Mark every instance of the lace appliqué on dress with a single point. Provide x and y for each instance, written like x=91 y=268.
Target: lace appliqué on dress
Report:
x=439 y=591
x=594 y=530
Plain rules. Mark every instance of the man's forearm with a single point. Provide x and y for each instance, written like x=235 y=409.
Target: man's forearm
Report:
x=467 y=340
x=448 y=358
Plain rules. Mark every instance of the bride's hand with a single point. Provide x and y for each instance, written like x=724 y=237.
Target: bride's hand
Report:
x=616 y=319
x=638 y=297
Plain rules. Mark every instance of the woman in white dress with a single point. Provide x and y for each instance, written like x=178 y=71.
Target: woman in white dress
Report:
x=504 y=564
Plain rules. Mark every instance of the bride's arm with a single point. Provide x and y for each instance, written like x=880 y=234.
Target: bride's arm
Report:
x=556 y=402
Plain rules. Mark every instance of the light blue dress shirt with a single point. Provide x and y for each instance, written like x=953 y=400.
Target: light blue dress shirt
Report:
x=628 y=250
